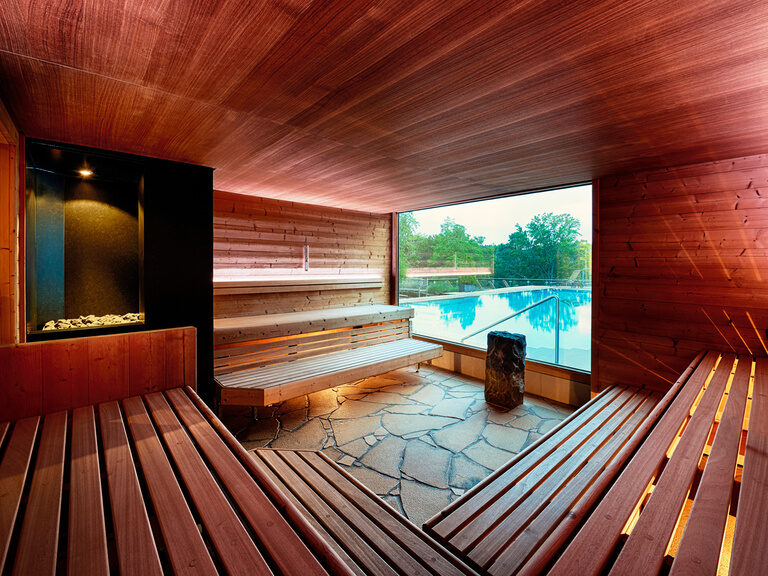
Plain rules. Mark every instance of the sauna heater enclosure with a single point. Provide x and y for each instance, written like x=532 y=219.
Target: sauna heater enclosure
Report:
x=84 y=239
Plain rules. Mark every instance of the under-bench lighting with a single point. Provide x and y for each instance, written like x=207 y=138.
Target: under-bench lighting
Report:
x=85 y=173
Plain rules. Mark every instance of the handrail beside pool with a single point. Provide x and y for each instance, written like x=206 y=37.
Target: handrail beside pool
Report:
x=557 y=322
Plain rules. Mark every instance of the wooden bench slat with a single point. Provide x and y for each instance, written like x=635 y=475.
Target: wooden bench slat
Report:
x=383 y=516
x=325 y=364
x=319 y=528
x=299 y=340
x=358 y=548
x=39 y=540
x=136 y=550
x=387 y=546
x=247 y=361
x=514 y=513
x=14 y=469
x=699 y=549
x=183 y=541
x=643 y=552
x=87 y=544
x=446 y=522
x=232 y=542
x=508 y=487
x=322 y=549
x=281 y=541
x=591 y=548
x=750 y=539
x=246 y=328
x=525 y=544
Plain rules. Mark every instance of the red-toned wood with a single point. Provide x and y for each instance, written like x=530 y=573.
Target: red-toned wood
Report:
x=699 y=550
x=395 y=105
x=228 y=535
x=280 y=540
x=109 y=368
x=44 y=377
x=591 y=548
x=136 y=550
x=65 y=374
x=87 y=539
x=13 y=474
x=750 y=539
x=22 y=381
x=682 y=259
x=36 y=552
x=9 y=187
x=181 y=535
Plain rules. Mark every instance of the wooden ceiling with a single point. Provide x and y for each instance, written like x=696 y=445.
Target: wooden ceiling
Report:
x=392 y=105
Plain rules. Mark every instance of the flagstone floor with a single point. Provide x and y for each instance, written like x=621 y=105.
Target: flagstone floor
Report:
x=418 y=440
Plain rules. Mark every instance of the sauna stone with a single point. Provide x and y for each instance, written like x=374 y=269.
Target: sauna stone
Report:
x=505 y=369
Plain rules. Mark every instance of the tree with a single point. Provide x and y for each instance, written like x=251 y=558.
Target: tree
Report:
x=547 y=248
x=453 y=246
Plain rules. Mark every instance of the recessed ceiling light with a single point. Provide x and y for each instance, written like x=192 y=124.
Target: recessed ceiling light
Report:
x=85 y=173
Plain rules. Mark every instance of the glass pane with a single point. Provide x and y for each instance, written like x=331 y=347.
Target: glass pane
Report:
x=512 y=264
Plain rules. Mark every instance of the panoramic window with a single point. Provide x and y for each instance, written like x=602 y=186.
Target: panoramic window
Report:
x=517 y=264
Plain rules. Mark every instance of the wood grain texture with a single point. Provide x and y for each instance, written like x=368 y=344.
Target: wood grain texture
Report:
x=45 y=377
x=9 y=210
x=265 y=240
x=394 y=105
x=683 y=254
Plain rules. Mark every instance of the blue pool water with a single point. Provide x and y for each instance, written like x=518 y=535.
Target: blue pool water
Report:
x=453 y=318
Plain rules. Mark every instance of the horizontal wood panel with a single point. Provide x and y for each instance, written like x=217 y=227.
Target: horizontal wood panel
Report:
x=385 y=106
x=683 y=266
x=46 y=377
x=262 y=241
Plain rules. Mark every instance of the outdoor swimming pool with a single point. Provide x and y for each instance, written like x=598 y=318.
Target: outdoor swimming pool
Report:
x=451 y=319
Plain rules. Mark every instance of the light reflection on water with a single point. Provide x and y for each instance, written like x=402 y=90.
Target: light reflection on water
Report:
x=452 y=319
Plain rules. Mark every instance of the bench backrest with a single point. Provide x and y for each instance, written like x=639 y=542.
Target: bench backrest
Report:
x=45 y=377
x=256 y=353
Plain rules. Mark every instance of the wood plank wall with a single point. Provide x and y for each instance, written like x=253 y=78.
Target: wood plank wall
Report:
x=45 y=377
x=9 y=175
x=258 y=237
x=683 y=266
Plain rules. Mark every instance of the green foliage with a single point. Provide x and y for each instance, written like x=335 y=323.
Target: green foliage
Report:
x=549 y=247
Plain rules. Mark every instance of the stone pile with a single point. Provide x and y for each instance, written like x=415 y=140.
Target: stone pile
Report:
x=92 y=321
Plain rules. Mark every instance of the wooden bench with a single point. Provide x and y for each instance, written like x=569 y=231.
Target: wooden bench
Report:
x=261 y=360
x=369 y=535
x=147 y=484
x=694 y=497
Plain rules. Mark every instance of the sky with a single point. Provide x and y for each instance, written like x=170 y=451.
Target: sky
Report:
x=496 y=219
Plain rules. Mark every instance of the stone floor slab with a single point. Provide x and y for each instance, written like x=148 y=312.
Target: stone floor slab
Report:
x=458 y=436
x=427 y=464
x=465 y=473
x=377 y=482
x=355 y=410
x=452 y=408
x=400 y=424
x=386 y=456
x=430 y=394
x=355 y=448
x=506 y=438
x=421 y=502
x=487 y=455
x=310 y=436
x=345 y=431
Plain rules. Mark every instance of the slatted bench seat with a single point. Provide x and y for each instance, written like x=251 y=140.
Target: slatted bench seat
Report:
x=146 y=485
x=694 y=498
x=262 y=360
x=367 y=533
x=500 y=522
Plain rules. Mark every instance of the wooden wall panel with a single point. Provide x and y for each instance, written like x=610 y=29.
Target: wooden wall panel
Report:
x=9 y=141
x=261 y=238
x=45 y=377
x=683 y=266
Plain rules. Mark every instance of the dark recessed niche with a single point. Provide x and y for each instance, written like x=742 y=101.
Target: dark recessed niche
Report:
x=84 y=239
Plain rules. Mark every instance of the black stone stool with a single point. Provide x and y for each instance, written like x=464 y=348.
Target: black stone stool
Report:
x=505 y=369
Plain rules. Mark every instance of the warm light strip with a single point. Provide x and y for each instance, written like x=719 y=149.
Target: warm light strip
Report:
x=730 y=321
x=682 y=520
x=757 y=332
x=718 y=329
x=632 y=520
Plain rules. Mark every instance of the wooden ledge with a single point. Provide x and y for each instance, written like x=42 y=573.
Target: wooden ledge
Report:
x=294 y=283
x=246 y=328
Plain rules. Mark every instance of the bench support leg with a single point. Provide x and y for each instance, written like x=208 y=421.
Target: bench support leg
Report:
x=418 y=367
